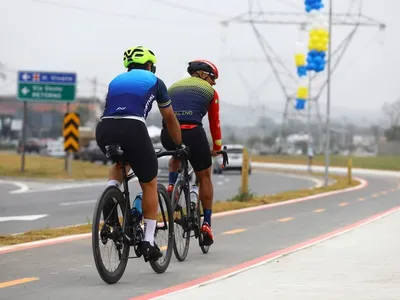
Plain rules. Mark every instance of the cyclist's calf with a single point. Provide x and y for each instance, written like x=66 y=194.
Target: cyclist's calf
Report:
x=206 y=190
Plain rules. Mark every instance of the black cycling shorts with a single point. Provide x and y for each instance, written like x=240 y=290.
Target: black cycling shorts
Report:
x=133 y=137
x=196 y=140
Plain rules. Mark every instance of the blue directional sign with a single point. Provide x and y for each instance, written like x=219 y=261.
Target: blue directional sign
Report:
x=46 y=86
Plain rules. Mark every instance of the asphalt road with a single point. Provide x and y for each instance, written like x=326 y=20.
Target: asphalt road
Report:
x=67 y=270
x=55 y=204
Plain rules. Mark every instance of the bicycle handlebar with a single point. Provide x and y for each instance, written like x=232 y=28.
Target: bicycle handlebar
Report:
x=166 y=153
x=225 y=160
x=173 y=152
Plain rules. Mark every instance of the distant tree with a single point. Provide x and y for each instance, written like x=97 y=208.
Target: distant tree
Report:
x=253 y=140
x=392 y=114
x=84 y=113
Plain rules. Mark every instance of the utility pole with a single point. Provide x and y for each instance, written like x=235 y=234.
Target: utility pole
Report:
x=262 y=17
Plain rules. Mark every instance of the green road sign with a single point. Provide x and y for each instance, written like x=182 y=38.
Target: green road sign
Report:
x=46 y=92
x=46 y=86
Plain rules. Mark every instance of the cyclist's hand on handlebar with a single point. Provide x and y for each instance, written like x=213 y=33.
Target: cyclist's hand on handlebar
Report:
x=214 y=153
x=183 y=150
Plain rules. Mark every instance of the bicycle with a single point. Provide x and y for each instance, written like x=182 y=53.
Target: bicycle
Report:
x=130 y=233
x=190 y=219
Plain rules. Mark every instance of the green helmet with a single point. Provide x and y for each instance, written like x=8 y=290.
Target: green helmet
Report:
x=138 y=55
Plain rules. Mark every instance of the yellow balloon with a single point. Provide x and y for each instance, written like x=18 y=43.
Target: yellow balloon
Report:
x=324 y=48
x=302 y=93
x=300 y=59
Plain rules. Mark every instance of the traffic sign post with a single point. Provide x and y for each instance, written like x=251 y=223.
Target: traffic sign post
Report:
x=37 y=86
x=71 y=136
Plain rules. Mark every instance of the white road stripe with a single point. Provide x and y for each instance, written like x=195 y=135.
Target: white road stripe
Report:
x=77 y=202
x=22 y=218
x=22 y=187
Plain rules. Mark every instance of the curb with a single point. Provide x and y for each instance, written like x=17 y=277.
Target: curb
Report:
x=71 y=238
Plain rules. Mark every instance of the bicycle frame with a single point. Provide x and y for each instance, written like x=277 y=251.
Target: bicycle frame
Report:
x=127 y=214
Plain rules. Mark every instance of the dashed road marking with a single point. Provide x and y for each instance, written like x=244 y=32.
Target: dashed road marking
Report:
x=375 y=195
x=361 y=199
x=384 y=192
x=393 y=190
x=234 y=231
x=285 y=219
x=78 y=202
x=343 y=204
x=319 y=210
x=17 y=281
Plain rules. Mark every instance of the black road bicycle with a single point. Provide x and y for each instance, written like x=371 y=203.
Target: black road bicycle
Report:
x=188 y=211
x=127 y=231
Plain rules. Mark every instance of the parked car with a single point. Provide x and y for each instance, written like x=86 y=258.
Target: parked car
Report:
x=93 y=153
x=31 y=145
x=163 y=163
x=235 y=157
x=55 y=148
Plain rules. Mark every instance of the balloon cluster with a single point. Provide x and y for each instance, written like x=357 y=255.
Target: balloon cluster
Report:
x=302 y=90
x=317 y=46
x=313 y=5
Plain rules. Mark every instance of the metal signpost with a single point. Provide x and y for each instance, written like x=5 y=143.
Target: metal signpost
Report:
x=38 y=86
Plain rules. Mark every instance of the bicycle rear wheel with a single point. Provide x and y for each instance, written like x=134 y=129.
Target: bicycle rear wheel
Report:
x=165 y=225
x=181 y=216
x=111 y=229
x=204 y=248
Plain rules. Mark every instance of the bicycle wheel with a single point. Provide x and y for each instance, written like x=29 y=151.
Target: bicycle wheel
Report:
x=204 y=248
x=165 y=225
x=182 y=230
x=110 y=230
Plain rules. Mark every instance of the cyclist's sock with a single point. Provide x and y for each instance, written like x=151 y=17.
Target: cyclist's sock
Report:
x=172 y=177
x=149 y=230
x=114 y=182
x=207 y=216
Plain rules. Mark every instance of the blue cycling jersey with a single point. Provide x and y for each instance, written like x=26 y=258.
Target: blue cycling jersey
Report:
x=131 y=94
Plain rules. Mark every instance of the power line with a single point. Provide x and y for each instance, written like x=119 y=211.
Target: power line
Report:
x=94 y=10
x=189 y=9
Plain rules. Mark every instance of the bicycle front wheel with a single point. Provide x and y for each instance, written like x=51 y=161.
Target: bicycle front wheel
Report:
x=110 y=232
x=181 y=220
x=164 y=235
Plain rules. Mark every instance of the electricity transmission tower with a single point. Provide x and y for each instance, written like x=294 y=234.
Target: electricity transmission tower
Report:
x=259 y=17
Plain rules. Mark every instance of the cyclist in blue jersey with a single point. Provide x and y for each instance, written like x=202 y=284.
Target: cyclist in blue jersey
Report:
x=129 y=100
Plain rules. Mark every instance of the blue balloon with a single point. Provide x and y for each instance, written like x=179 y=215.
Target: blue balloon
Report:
x=300 y=104
x=318 y=60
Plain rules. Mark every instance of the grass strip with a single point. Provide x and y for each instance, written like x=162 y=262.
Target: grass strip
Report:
x=391 y=163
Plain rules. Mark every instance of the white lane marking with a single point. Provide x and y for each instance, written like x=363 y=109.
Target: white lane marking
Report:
x=227 y=180
x=22 y=218
x=65 y=186
x=220 y=182
x=22 y=187
x=77 y=202
x=318 y=182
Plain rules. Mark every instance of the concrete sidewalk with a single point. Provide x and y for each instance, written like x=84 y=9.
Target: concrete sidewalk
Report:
x=361 y=264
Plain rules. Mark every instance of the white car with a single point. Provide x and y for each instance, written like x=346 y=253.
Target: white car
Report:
x=235 y=159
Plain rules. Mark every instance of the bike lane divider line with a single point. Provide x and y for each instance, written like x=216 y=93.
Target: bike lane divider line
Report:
x=285 y=219
x=17 y=281
x=361 y=199
x=225 y=273
x=234 y=231
x=319 y=210
x=343 y=203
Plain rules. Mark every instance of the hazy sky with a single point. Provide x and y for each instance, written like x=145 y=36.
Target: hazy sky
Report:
x=90 y=39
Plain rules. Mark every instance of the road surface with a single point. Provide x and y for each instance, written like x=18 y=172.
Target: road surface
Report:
x=58 y=204
x=67 y=270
